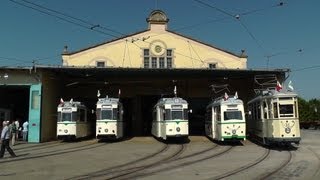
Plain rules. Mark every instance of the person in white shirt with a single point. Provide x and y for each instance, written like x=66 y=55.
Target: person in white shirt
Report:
x=25 y=130
x=5 y=138
x=17 y=126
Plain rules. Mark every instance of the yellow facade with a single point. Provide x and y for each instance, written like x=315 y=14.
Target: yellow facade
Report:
x=156 y=44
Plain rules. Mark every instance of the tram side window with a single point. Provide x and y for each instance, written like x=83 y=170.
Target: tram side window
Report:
x=82 y=115
x=185 y=114
x=257 y=110
x=265 y=110
x=161 y=114
x=75 y=116
x=167 y=114
x=217 y=113
x=254 y=112
x=115 y=113
x=275 y=110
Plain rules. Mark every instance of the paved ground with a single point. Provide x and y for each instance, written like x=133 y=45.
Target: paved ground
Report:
x=147 y=158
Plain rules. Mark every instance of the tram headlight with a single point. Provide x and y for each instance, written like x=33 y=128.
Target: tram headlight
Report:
x=234 y=131
x=178 y=129
x=65 y=131
x=287 y=130
x=106 y=130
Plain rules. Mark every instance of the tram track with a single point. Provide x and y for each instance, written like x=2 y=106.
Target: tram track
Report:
x=279 y=168
x=53 y=153
x=53 y=147
x=43 y=146
x=318 y=157
x=126 y=174
x=245 y=167
x=18 y=147
x=181 y=158
x=179 y=165
x=116 y=168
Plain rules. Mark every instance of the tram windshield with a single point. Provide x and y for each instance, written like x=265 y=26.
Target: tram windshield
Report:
x=106 y=114
x=66 y=116
x=232 y=115
x=286 y=110
x=177 y=114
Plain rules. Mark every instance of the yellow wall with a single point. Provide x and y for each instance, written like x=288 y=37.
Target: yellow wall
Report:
x=128 y=52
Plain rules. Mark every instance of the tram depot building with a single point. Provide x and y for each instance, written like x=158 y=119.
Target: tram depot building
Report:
x=145 y=65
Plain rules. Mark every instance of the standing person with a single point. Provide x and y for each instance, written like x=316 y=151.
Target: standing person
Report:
x=5 y=138
x=25 y=130
x=17 y=126
x=13 y=130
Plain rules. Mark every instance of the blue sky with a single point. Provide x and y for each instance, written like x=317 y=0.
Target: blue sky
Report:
x=279 y=32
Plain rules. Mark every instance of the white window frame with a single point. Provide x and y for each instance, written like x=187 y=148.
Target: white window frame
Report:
x=150 y=58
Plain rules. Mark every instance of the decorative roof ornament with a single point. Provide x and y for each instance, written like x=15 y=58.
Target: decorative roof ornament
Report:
x=157 y=17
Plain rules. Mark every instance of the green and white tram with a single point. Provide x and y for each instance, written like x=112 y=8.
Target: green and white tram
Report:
x=225 y=119
x=109 y=124
x=72 y=120
x=273 y=117
x=170 y=118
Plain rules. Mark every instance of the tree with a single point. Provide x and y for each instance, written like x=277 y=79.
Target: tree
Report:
x=309 y=111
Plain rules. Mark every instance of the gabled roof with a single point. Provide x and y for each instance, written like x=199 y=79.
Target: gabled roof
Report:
x=139 y=32
x=103 y=43
x=198 y=41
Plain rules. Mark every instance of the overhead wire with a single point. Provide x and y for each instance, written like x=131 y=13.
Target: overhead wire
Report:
x=75 y=18
x=94 y=26
x=306 y=68
x=62 y=18
x=223 y=18
x=238 y=17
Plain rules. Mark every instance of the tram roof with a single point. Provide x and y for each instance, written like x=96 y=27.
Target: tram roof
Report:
x=71 y=104
x=108 y=100
x=230 y=100
x=173 y=100
x=274 y=94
